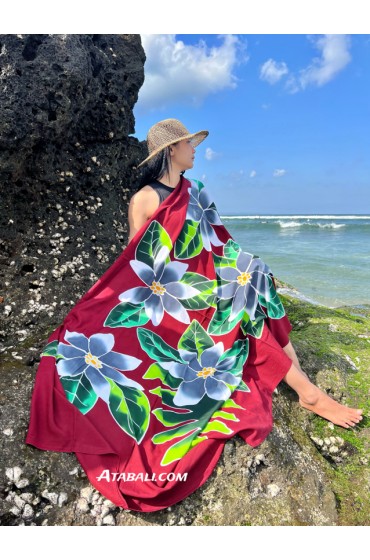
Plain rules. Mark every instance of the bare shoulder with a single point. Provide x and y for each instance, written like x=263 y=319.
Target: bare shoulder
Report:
x=145 y=200
x=141 y=207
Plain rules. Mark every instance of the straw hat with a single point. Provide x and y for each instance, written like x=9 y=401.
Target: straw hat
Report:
x=166 y=132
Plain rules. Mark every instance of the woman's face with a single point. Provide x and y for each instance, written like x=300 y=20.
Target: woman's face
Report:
x=183 y=154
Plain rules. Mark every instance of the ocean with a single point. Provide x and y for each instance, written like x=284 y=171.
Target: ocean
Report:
x=325 y=257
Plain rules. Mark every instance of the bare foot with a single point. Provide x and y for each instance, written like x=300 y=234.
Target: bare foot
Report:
x=328 y=408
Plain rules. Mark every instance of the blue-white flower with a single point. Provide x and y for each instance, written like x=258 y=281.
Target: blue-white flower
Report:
x=204 y=376
x=95 y=358
x=199 y=210
x=163 y=289
x=246 y=281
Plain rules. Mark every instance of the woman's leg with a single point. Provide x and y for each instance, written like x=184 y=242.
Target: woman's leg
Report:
x=289 y=350
x=312 y=398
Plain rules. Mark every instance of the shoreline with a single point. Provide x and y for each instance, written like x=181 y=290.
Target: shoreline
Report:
x=289 y=290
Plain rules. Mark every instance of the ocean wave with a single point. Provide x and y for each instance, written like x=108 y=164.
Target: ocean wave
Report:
x=293 y=224
x=334 y=226
x=300 y=216
x=299 y=295
x=289 y=224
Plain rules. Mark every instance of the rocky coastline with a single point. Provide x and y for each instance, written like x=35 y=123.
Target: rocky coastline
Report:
x=66 y=159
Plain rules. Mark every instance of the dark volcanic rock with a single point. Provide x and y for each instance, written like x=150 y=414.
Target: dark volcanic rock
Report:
x=66 y=163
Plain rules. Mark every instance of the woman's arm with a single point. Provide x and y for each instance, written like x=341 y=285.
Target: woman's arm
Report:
x=142 y=206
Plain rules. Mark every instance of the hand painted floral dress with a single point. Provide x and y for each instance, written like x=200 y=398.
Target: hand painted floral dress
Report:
x=174 y=350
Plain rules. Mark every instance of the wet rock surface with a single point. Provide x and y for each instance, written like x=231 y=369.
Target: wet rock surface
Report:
x=66 y=177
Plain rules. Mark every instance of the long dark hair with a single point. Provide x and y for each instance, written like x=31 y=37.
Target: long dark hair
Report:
x=157 y=166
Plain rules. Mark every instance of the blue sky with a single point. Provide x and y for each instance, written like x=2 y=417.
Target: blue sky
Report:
x=288 y=117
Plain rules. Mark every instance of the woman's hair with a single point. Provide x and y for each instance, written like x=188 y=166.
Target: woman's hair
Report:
x=157 y=166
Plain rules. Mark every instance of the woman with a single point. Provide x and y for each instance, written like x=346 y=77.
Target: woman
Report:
x=166 y=163
x=176 y=348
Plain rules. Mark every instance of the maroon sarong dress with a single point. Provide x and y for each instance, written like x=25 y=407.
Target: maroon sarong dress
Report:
x=174 y=350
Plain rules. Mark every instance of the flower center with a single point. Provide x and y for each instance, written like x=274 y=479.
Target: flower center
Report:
x=93 y=360
x=244 y=278
x=206 y=372
x=157 y=288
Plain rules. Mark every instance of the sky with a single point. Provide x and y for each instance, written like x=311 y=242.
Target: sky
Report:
x=288 y=117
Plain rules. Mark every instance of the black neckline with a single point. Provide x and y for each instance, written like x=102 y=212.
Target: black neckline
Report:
x=167 y=186
x=163 y=185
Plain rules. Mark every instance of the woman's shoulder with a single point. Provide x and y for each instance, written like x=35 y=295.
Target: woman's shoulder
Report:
x=144 y=200
x=145 y=192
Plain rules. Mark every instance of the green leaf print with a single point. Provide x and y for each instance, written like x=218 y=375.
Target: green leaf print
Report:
x=231 y=249
x=51 y=350
x=156 y=347
x=230 y=403
x=189 y=242
x=275 y=308
x=225 y=415
x=126 y=314
x=206 y=298
x=254 y=328
x=195 y=339
x=179 y=449
x=171 y=418
x=130 y=408
x=79 y=392
x=163 y=437
x=238 y=354
x=217 y=426
x=166 y=395
x=220 y=323
x=156 y=371
x=243 y=387
x=151 y=243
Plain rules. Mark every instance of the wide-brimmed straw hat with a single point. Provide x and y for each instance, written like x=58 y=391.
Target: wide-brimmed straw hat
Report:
x=164 y=133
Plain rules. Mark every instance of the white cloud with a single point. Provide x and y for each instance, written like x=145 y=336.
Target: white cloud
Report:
x=211 y=154
x=279 y=172
x=334 y=57
x=272 y=71
x=176 y=72
x=253 y=173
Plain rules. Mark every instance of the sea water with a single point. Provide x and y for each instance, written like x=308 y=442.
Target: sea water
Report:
x=325 y=257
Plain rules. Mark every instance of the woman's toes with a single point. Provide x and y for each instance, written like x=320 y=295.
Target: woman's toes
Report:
x=354 y=415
